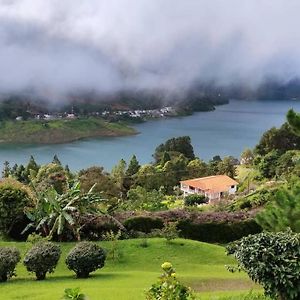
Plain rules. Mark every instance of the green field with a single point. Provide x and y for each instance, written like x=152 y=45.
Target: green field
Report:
x=59 y=131
x=200 y=265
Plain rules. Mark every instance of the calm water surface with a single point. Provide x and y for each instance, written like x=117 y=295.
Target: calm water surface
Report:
x=226 y=131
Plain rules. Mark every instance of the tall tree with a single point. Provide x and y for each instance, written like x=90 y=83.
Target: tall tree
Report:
x=118 y=173
x=180 y=145
x=133 y=166
x=56 y=160
x=6 y=169
x=293 y=119
x=281 y=139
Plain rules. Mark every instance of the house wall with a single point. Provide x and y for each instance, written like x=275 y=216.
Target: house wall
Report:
x=187 y=190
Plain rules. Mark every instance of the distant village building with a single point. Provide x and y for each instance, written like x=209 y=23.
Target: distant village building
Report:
x=213 y=187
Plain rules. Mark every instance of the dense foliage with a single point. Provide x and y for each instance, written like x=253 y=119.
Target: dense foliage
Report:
x=84 y=258
x=283 y=212
x=14 y=198
x=9 y=257
x=195 y=199
x=143 y=224
x=42 y=258
x=272 y=260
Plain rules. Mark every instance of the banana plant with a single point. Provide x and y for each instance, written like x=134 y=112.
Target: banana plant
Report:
x=54 y=211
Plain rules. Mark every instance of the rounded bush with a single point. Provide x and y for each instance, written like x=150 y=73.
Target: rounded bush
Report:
x=9 y=257
x=143 y=224
x=42 y=258
x=84 y=258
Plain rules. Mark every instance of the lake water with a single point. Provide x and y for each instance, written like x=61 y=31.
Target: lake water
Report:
x=226 y=131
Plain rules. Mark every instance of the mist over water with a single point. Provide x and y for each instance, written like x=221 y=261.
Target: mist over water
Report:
x=54 y=47
x=226 y=131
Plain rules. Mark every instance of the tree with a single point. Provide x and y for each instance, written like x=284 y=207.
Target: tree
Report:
x=180 y=145
x=165 y=158
x=51 y=175
x=6 y=169
x=293 y=119
x=174 y=171
x=227 y=167
x=286 y=165
x=150 y=177
x=283 y=212
x=141 y=199
x=118 y=173
x=197 y=168
x=133 y=166
x=272 y=260
x=14 y=198
x=56 y=160
x=102 y=182
x=247 y=157
x=281 y=139
x=268 y=163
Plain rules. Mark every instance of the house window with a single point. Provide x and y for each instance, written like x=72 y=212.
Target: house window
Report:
x=232 y=186
x=192 y=188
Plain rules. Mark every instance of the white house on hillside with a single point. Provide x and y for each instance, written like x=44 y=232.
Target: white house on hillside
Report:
x=213 y=187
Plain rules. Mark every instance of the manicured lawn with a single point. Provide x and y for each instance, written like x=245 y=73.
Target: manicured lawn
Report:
x=200 y=265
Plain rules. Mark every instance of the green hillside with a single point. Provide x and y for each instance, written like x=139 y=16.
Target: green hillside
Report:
x=200 y=265
x=59 y=131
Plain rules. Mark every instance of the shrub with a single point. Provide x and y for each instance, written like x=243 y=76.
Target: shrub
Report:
x=42 y=258
x=168 y=287
x=14 y=198
x=143 y=224
x=9 y=257
x=170 y=232
x=272 y=260
x=84 y=258
x=74 y=294
x=195 y=199
x=93 y=227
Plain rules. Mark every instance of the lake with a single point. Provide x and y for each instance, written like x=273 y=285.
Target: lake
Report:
x=226 y=131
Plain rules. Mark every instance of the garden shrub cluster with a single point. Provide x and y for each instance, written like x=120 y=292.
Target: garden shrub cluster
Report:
x=43 y=257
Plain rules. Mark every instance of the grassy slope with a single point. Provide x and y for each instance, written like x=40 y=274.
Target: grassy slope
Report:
x=59 y=131
x=200 y=265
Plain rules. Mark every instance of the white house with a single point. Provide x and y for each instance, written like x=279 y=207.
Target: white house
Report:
x=213 y=187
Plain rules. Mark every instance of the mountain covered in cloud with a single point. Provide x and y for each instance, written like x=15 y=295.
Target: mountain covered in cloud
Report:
x=56 y=48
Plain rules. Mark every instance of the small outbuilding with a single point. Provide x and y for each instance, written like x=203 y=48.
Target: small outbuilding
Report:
x=213 y=187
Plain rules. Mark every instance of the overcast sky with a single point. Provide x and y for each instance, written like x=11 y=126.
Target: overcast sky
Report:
x=62 y=46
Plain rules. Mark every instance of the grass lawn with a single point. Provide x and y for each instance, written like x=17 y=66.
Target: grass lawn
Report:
x=200 y=265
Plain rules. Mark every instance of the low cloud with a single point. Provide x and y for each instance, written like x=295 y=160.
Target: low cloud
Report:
x=59 y=47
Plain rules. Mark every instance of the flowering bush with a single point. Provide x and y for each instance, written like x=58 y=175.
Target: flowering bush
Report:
x=168 y=287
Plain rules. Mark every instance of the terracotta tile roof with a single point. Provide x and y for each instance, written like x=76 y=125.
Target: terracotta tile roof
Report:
x=217 y=183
